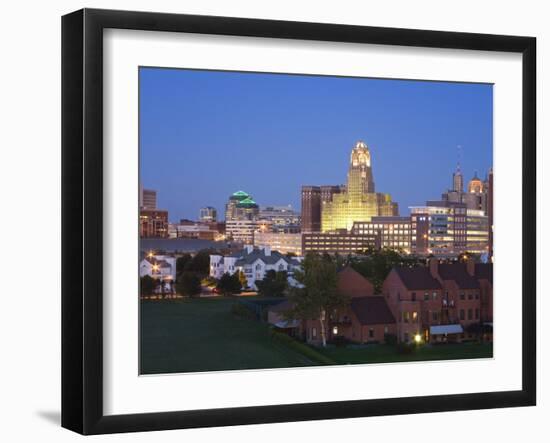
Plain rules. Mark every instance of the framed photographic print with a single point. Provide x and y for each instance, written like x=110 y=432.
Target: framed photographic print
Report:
x=269 y=221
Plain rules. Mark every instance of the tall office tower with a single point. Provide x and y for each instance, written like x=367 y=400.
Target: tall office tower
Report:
x=241 y=215
x=458 y=180
x=147 y=198
x=476 y=197
x=208 y=214
x=490 y=211
x=359 y=202
x=311 y=209
x=240 y=206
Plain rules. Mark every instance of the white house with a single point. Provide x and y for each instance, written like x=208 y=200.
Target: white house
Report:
x=162 y=267
x=253 y=262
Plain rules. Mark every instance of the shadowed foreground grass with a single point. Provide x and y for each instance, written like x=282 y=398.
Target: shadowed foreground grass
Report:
x=388 y=354
x=203 y=335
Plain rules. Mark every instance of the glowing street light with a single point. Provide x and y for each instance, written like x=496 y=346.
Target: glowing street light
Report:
x=417 y=338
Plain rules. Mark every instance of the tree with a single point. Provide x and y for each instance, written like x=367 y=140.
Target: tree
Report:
x=317 y=295
x=376 y=264
x=242 y=279
x=147 y=285
x=273 y=284
x=229 y=284
x=188 y=283
x=200 y=263
x=182 y=262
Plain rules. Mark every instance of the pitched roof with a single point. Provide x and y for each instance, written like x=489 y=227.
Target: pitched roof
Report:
x=372 y=310
x=458 y=273
x=484 y=271
x=283 y=306
x=417 y=278
x=274 y=257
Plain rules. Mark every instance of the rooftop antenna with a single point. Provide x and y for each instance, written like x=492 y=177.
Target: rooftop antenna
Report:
x=459 y=155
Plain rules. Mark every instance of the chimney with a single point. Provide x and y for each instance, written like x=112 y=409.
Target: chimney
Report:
x=248 y=249
x=470 y=266
x=267 y=250
x=434 y=265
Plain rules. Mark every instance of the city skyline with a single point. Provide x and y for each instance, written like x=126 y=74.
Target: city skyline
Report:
x=267 y=152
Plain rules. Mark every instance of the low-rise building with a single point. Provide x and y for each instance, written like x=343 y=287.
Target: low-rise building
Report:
x=282 y=242
x=153 y=223
x=253 y=262
x=338 y=242
x=448 y=229
x=241 y=231
x=439 y=302
x=161 y=268
x=366 y=319
x=394 y=232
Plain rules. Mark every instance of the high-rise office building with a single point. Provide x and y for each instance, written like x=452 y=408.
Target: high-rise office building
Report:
x=147 y=198
x=311 y=209
x=241 y=217
x=490 y=211
x=359 y=201
x=393 y=232
x=208 y=214
x=448 y=229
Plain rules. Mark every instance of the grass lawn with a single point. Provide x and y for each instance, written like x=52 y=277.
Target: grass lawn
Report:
x=388 y=354
x=197 y=335
x=203 y=335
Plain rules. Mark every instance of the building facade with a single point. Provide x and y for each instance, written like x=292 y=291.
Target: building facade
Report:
x=279 y=241
x=448 y=229
x=440 y=302
x=338 y=242
x=153 y=223
x=280 y=218
x=393 y=232
x=359 y=201
x=147 y=198
x=311 y=209
x=241 y=231
x=208 y=214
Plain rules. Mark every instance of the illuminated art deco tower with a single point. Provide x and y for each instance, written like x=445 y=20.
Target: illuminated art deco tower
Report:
x=359 y=203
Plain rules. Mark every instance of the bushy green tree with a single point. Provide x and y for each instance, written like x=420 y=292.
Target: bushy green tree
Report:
x=317 y=296
x=147 y=285
x=229 y=284
x=376 y=264
x=274 y=284
x=200 y=263
x=188 y=283
x=182 y=263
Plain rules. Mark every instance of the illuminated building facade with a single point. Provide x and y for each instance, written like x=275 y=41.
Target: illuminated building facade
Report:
x=153 y=223
x=313 y=197
x=280 y=218
x=359 y=201
x=241 y=207
x=448 y=229
x=241 y=217
x=208 y=214
x=393 y=232
x=338 y=242
x=147 y=198
x=279 y=241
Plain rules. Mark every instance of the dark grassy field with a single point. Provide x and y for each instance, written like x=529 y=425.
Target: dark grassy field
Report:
x=388 y=354
x=203 y=335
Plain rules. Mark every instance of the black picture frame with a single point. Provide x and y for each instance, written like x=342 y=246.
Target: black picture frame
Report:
x=82 y=215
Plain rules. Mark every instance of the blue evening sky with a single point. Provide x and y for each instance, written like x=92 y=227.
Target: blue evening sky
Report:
x=207 y=134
